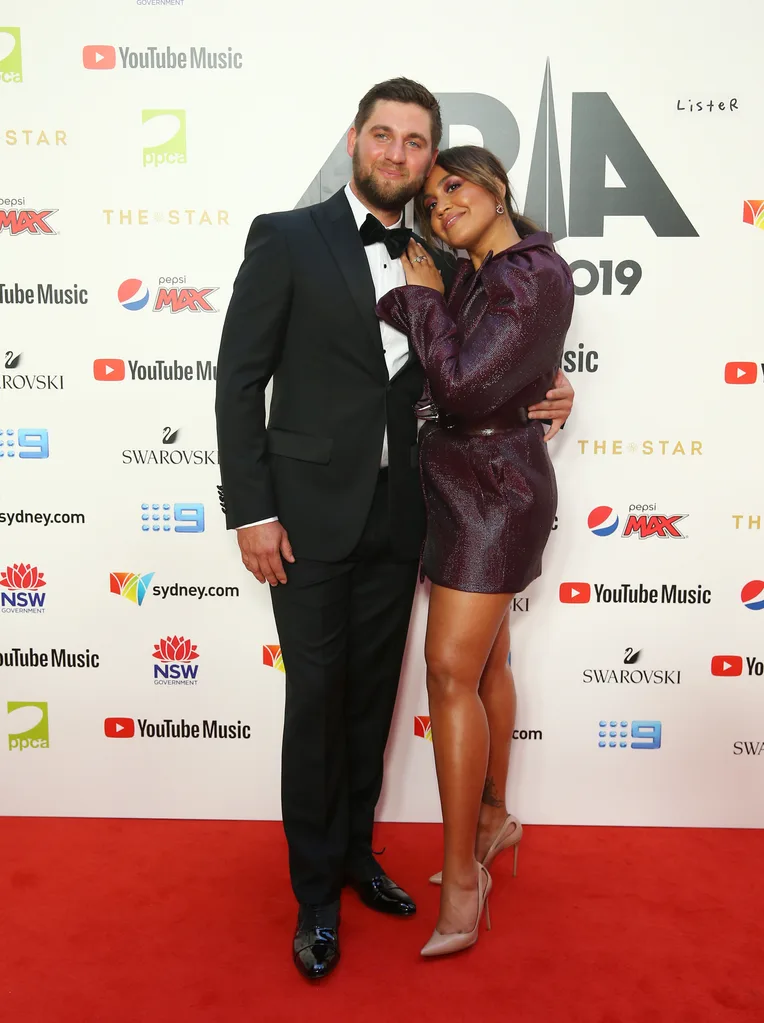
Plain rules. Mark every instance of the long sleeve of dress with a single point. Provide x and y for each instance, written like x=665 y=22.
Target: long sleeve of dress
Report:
x=510 y=336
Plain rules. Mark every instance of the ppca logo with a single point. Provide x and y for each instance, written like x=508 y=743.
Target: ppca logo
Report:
x=28 y=726
x=10 y=56
x=133 y=295
x=164 y=137
x=422 y=727
x=272 y=657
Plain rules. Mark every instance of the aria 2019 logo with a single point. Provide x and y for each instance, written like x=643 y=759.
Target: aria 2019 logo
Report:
x=599 y=137
x=10 y=56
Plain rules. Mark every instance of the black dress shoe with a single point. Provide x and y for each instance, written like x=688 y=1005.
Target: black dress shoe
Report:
x=316 y=942
x=384 y=895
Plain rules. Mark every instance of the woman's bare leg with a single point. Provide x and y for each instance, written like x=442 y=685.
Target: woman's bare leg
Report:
x=497 y=694
x=461 y=630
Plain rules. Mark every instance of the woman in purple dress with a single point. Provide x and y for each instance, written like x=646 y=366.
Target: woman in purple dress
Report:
x=489 y=351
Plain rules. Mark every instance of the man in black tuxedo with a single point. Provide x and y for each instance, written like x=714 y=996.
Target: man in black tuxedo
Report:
x=326 y=499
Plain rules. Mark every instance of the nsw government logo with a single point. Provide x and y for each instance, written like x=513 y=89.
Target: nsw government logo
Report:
x=164 y=137
x=630 y=735
x=176 y=655
x=641 y=521
x=21 y=590
x=10 y=56
x=28 y=726
x=272 y=657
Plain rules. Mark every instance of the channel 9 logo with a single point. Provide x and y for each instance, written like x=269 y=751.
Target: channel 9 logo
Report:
x=169 y=518
x=24 y=443
x=643 y=735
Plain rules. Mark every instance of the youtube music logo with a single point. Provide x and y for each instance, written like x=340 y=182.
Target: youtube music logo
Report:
x=99 y=58
x=733 y=665
x=109 y=369
x=119 y=728
x=727 y=665
x=575 y=593
x=741 y=373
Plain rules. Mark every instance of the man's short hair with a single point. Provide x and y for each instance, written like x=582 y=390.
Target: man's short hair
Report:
x=402 y=90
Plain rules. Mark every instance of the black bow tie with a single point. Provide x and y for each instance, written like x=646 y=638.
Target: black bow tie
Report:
x=395 y=240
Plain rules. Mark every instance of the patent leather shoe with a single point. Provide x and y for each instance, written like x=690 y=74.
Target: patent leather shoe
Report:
x=384 y=895
x=316 y=946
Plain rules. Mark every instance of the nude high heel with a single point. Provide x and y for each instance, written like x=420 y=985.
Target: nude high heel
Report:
x=444 y=944
x=504 y=840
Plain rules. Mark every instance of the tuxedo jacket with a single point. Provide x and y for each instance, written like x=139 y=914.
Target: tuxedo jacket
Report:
x=302 y=314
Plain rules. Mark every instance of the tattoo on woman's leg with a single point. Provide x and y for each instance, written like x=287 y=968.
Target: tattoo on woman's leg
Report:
x=490 y=795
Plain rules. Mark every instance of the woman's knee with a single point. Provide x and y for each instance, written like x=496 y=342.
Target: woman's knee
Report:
x=448 y=676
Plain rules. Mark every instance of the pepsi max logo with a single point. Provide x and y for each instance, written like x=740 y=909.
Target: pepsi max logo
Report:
x=752 y=595
x=603 y=521
x=133 y=294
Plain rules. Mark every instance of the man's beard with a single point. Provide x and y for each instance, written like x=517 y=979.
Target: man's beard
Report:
x=391 y=196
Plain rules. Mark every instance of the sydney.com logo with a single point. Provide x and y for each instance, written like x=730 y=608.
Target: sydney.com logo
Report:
x=164 y=137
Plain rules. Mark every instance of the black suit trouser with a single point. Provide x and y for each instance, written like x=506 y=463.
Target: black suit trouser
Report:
x=342 y=628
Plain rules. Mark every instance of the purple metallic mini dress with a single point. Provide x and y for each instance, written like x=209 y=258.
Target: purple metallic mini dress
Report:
x=488 y=352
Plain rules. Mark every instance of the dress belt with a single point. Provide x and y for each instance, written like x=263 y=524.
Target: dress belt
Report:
x=504 y=419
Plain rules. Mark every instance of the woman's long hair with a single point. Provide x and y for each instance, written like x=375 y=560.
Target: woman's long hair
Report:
x=481 y=167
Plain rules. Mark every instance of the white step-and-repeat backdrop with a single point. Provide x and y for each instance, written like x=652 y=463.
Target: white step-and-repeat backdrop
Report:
x=140 y=673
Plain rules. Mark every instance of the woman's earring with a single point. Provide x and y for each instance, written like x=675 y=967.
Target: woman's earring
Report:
x=499 y=209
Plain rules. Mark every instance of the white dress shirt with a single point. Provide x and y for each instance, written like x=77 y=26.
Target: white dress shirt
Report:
x=386 y=274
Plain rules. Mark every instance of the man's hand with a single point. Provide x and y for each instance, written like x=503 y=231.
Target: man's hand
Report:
x=557 y=406
x=262 y=548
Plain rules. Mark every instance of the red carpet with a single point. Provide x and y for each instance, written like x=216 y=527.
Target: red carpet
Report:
x=178 y=921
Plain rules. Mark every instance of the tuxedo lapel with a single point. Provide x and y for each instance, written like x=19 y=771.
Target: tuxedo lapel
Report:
x=336 y=223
